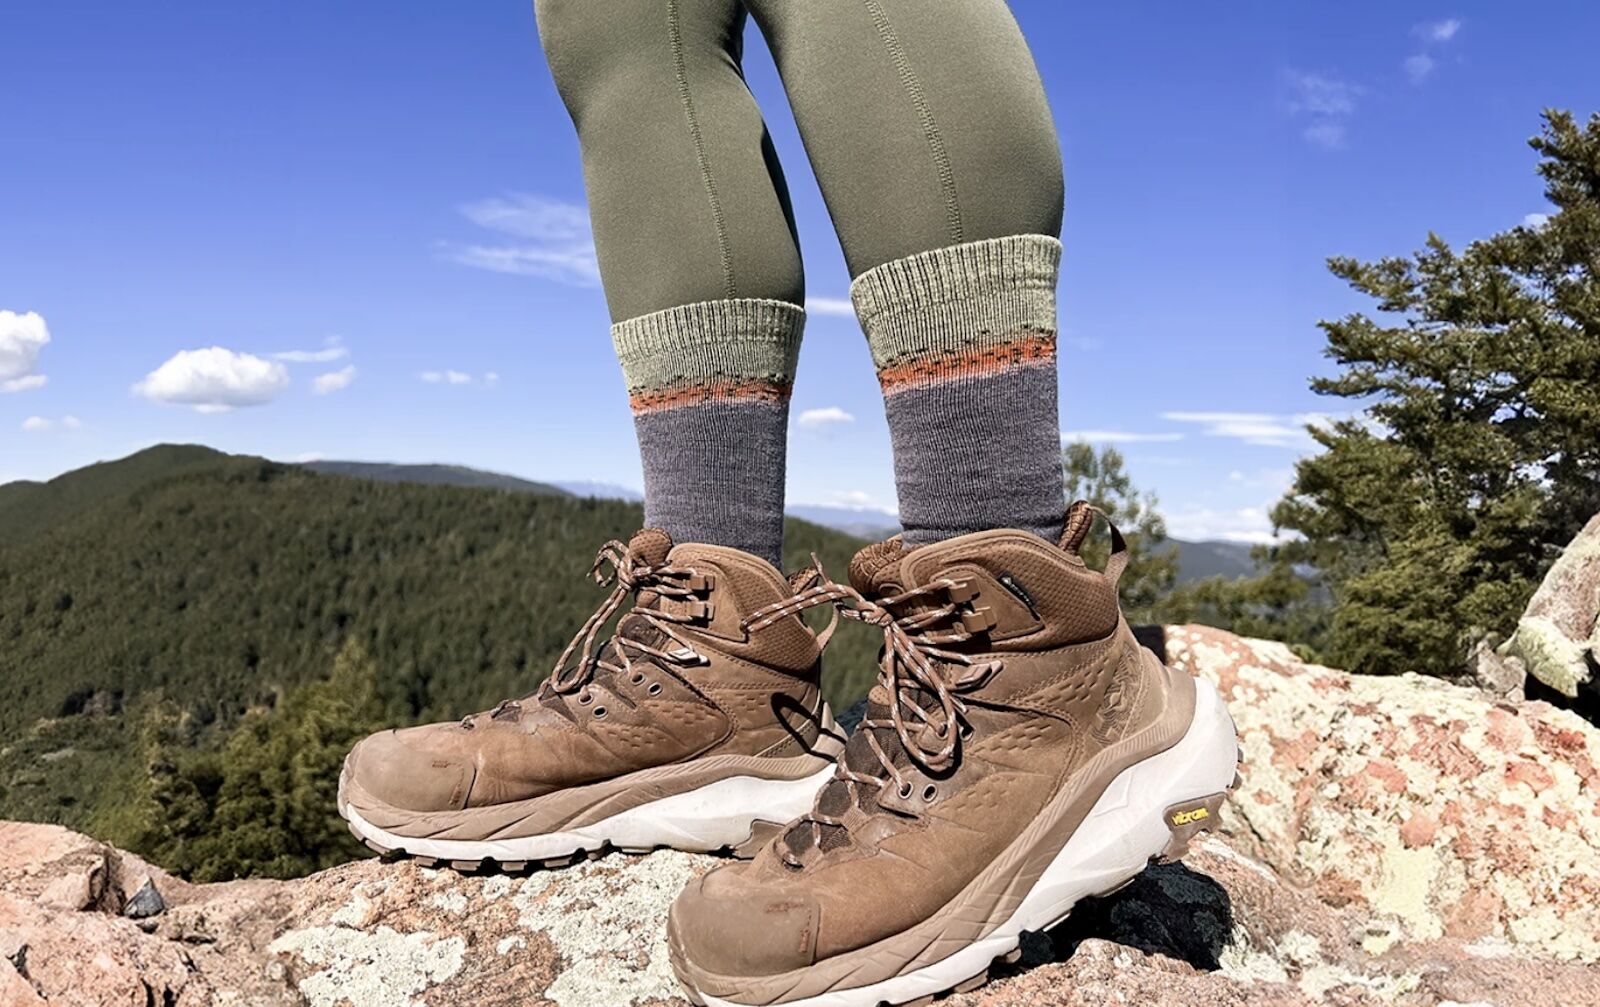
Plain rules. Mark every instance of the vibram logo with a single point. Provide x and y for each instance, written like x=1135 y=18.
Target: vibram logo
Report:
x=1190 y=817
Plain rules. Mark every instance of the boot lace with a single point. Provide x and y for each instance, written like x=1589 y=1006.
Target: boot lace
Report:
x=621 y=569
x=916 y=664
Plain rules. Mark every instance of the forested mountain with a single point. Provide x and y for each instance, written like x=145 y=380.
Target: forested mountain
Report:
x=1200 y=560
x=143 y=630
x=433 y=475
x=30 y=508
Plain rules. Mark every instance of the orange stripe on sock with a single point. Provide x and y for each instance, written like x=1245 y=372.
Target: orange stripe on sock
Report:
x=650 y=401
x=1028 y=351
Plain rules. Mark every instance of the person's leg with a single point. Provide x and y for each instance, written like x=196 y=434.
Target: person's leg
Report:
x=698 y=258
x=927 y=125
x=697 y=255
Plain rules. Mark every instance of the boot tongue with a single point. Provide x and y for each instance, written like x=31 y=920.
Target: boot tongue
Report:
x=650 y=546
x=875 y=565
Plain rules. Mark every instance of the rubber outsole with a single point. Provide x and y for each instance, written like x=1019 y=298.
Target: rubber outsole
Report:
x=761 y=833
x=1184 y=820
x=733 y=816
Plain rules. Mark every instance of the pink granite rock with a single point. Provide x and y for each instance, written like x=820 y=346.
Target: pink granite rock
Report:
x=1396 y=841
x=1424 y=805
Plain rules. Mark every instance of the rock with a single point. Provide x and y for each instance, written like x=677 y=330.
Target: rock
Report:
x=1498 y=674
x=1427 y=806
x=1558 y=637
x=1396 y=841
x=145 y=902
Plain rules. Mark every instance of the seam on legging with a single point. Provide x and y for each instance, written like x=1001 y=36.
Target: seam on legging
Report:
x=680 y=67
x=919 y=101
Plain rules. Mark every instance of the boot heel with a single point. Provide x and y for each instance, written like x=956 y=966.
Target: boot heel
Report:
x=1185 y=820
x=761 y=833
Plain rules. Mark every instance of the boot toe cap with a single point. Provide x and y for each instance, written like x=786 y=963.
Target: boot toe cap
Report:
x=397 y=768
x=723 y=925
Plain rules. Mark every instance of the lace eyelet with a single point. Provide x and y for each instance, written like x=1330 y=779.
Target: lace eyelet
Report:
x=584 y=698
x=599 y=712
x=904 y=791
x=929 y=793
x=637 y=678
x=964 y=731
x=655 y=689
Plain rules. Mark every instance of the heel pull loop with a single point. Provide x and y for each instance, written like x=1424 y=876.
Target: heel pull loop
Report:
x=811 y=588
x=1080 y=519
x=1117 y=563
x=833 y=615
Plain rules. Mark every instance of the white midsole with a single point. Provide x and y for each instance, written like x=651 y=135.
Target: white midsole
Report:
x=708 y=818
x=1124 y=829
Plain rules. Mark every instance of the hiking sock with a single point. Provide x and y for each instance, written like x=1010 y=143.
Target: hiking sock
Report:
x=964 y=340
x=709 y=386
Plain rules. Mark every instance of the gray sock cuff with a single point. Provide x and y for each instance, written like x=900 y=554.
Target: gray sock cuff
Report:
x=742 y=340
x=960 y=298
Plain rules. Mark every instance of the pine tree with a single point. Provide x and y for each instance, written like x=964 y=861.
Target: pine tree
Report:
x=1101 y=478
x=275 y=812
x=1474 y=453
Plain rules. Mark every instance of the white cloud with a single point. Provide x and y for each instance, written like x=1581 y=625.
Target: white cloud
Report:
x=576 y=267
x=860 y=500
x=39 y=425
x=22 y=338
x=1120 y=437
x=1265 y=429
x=1316 y=94
x=26 y=384
x=556 y=243
x=528 y=216
x=830 y=306
x=1438 y=31
x=310 y=456
x=1327 y=102
x=1535 y=220
x=1327 y=135
x=446 y=377
x=1419 y=67
x=816 y=419
x=1434 y=34
x=327 y=355
x=491 y=377
x=1202 y=524
x=214 y=380
x=333 y=381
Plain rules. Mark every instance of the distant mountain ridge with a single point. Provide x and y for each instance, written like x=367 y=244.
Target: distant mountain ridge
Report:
x=29 y=509
x=600 y=490
x=871 y=523
x=433 y=475
x=155 y=609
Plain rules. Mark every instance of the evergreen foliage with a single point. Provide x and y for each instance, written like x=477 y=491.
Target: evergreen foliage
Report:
x=1100 y=478
x=1474 y=453
x=163 y=654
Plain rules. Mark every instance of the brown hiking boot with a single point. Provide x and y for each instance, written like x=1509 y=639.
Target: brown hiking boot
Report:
x=683 y=730
x=1020 y=752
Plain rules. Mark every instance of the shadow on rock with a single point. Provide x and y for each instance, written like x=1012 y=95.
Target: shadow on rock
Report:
x=1167 y=910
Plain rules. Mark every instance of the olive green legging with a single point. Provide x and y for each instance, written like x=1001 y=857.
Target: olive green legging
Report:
x=925 y=122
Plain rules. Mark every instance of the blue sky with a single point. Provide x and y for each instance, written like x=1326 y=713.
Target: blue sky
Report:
x=381 y=204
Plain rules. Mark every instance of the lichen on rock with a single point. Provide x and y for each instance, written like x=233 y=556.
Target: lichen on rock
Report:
x=1396 y=841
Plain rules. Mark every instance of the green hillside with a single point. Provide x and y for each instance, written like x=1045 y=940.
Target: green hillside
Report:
x=28 y=509
x=137 y=635
x=1200 y=560
x=433 y=475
